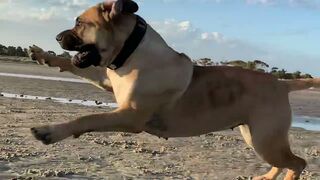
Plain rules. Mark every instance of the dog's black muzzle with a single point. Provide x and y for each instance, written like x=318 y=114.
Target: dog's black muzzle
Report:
x=88 y=53
x=69 y=41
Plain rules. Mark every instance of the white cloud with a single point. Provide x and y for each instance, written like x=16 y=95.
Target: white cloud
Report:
x=73 y=3
x=213 y=36
x=184 y=37
x=16 y=10
x=310 y=4
x=184 y=25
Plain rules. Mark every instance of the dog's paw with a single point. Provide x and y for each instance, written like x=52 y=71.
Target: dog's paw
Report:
x=50 y=134
x=261 y=178
x=37 y=54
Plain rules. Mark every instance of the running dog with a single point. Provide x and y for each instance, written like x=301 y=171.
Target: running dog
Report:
x=161 y=92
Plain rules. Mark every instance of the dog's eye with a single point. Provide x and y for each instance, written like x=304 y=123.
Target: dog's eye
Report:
x=78 y=23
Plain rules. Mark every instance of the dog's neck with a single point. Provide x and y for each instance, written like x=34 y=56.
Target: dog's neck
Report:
x=123 y=28
x=131 y=44
x=152 y=53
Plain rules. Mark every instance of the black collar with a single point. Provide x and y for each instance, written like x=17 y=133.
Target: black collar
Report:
x=130 y=44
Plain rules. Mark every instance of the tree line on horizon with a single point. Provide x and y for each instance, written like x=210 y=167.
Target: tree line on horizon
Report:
x=255 y=65
x=23 y=52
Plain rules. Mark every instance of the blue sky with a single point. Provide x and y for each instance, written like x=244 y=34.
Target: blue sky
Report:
x=283 y=33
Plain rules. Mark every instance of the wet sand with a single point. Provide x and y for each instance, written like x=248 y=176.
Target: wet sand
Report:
x=221 y=155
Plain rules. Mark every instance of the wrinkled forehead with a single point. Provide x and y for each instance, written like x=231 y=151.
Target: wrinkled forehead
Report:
x=93 y=14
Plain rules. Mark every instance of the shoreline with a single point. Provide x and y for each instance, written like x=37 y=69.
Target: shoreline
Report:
x=17 y=59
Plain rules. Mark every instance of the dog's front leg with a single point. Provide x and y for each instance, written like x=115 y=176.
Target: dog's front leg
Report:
x=116 y=121
x=42 y=57
x=96 y=75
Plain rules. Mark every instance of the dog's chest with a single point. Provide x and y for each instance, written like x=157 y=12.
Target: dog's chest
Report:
x=123 y=84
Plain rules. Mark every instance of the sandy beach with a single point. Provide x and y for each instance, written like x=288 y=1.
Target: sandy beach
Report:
x=220 y=155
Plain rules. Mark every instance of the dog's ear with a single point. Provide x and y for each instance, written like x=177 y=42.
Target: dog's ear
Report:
x=130 y=7
x=114 y=8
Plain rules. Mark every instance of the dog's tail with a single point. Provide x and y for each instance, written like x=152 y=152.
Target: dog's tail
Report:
x=301 y=84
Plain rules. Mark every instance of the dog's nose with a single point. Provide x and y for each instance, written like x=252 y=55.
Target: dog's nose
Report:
x=68 y=40
x=59 y=37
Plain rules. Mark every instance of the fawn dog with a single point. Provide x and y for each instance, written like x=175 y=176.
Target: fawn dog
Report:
x=161 y=92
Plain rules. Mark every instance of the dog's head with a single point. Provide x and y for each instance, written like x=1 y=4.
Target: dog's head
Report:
x=95 y=35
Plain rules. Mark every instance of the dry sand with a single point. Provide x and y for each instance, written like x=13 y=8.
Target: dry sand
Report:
x=221 y=155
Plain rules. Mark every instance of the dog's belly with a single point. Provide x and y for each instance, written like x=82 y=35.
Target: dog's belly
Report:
x=192 y=123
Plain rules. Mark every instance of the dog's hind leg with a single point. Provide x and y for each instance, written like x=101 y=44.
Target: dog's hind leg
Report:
x=274 y=172
x=270 y=141
x=271 y=175
x=246 y=134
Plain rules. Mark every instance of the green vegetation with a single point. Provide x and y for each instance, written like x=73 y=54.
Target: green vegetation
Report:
x=13 y=51
x=23 y=52
x=255 y=65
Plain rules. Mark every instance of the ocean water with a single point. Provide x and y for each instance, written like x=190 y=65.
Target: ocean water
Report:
x=60 y=100
x=306 y=122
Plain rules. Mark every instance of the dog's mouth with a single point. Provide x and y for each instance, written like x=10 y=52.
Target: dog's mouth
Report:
x=88 y=55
